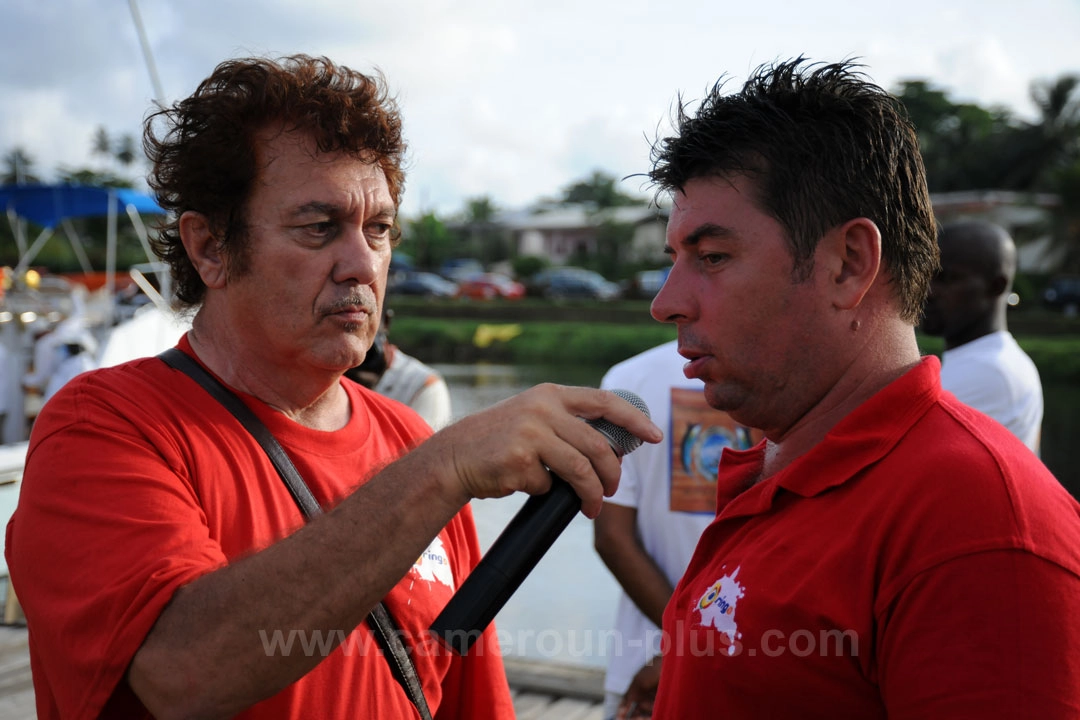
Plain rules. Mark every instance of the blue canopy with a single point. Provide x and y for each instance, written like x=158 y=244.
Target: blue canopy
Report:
x=48 y=205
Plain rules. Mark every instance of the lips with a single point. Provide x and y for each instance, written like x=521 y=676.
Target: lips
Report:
x=695 y=362
x=352 y=309
x=353 y=315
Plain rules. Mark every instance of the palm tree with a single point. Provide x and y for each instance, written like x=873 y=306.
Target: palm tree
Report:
x=125 y=150
x=18 y=168
x=102 y=144
x=1041 y=149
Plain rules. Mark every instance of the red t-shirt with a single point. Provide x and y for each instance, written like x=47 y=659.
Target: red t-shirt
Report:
x=920 y=562
x=137 y=482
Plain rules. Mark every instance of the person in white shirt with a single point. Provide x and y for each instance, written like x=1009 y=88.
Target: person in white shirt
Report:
x=983 y=366
x=666 y=498
x=390 y=372
x=60 y=354
x=6 y=391
x=75 y=355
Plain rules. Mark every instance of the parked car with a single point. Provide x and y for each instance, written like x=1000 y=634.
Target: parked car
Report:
x=487 y=286
x=423 y=284
x=538 y=283
x=564 y=283
x=459 y=269
x=570 y=281
x=1063 y=293
x=646 y=284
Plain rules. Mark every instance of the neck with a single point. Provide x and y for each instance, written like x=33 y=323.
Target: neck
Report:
x=882 y=359
x=992 y=323
x=312 y=398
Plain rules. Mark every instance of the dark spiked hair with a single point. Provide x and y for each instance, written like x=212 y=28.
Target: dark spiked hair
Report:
x=822 y=145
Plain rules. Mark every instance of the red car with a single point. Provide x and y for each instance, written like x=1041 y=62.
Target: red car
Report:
x=487 y=286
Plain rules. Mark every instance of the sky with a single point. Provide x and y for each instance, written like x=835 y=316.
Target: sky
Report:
x=509 y=100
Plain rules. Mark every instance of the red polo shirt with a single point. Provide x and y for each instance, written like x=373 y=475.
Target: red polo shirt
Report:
x=920 y=562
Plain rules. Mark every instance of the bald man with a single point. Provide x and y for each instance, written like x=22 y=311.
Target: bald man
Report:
x=983 y=365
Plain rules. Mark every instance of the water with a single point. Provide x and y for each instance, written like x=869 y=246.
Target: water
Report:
x=565 y=608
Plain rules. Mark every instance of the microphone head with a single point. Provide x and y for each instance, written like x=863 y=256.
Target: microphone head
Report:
x=622 y=440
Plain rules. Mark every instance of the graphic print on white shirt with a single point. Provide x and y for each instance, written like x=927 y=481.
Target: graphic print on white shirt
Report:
x=717 y=607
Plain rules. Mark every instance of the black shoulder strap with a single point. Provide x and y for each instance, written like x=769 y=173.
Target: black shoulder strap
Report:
x=297 y=487
x=385 y=630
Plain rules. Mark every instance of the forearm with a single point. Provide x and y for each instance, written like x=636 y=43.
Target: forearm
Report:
x=622 y=552
x=644 y=584
x=329 y=574
x=325 y=578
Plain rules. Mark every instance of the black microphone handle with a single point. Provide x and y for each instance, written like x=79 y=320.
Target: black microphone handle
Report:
x=507 y=562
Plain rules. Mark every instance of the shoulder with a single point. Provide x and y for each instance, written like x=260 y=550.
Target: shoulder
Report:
x=970 y=485
x=387 y=412
x=134 y=388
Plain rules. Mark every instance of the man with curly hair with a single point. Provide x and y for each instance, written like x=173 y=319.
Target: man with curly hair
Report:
x=164 y=567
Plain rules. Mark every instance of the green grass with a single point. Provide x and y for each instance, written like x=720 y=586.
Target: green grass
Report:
x=592 y=343
x=451 y=340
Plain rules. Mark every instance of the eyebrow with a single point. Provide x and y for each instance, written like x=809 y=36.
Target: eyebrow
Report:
x=705 y=231
x=333 y=210
x=316 y=207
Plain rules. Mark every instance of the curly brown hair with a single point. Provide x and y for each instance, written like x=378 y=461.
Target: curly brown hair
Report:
x=205 y=157
x=823 y=145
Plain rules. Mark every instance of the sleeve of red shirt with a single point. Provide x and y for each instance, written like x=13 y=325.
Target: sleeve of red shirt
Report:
x=133 y=533
x=988 y=635
x=475 y=686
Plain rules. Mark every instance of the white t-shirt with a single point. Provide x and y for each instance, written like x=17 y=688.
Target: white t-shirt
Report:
x=996 y=377
x=67 y=369
x=6 y=373
x=412 y=382
x=694 y=435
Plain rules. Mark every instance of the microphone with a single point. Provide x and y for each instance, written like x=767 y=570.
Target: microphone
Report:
x=522 y=543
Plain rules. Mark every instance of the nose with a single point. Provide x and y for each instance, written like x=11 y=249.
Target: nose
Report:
x=672 y=303
x=358 y=261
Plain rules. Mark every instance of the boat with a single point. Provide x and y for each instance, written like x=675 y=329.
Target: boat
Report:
x=34 y=303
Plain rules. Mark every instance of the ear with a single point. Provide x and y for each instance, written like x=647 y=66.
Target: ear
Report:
x=202 y=248
x=854 y=260
x=997 y=286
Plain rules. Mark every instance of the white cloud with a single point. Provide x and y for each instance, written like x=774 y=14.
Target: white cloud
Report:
x=511 y=100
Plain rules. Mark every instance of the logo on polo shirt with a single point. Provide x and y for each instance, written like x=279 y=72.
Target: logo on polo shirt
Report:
x=717 y=607
x=434 y=564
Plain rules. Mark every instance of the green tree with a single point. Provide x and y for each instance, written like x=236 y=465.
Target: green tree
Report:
x=126 y=152
x=95 y=178
x=480 y=209
x=1039 y=150
x=525 y=266
x=599 y=190
x=102 y=143
x=428 y=241
x=959 y=141
x=1068 y=230
x=612 y=238
x=479 y=236
x=18 y=168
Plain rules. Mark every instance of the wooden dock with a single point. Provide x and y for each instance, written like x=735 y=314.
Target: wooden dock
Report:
x=16 y=687
x=550 y=691
x=542 y=690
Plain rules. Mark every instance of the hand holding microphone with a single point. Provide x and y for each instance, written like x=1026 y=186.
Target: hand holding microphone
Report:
x=520 y=546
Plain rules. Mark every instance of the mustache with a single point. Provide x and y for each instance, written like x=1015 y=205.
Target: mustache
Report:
x=363 y=301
